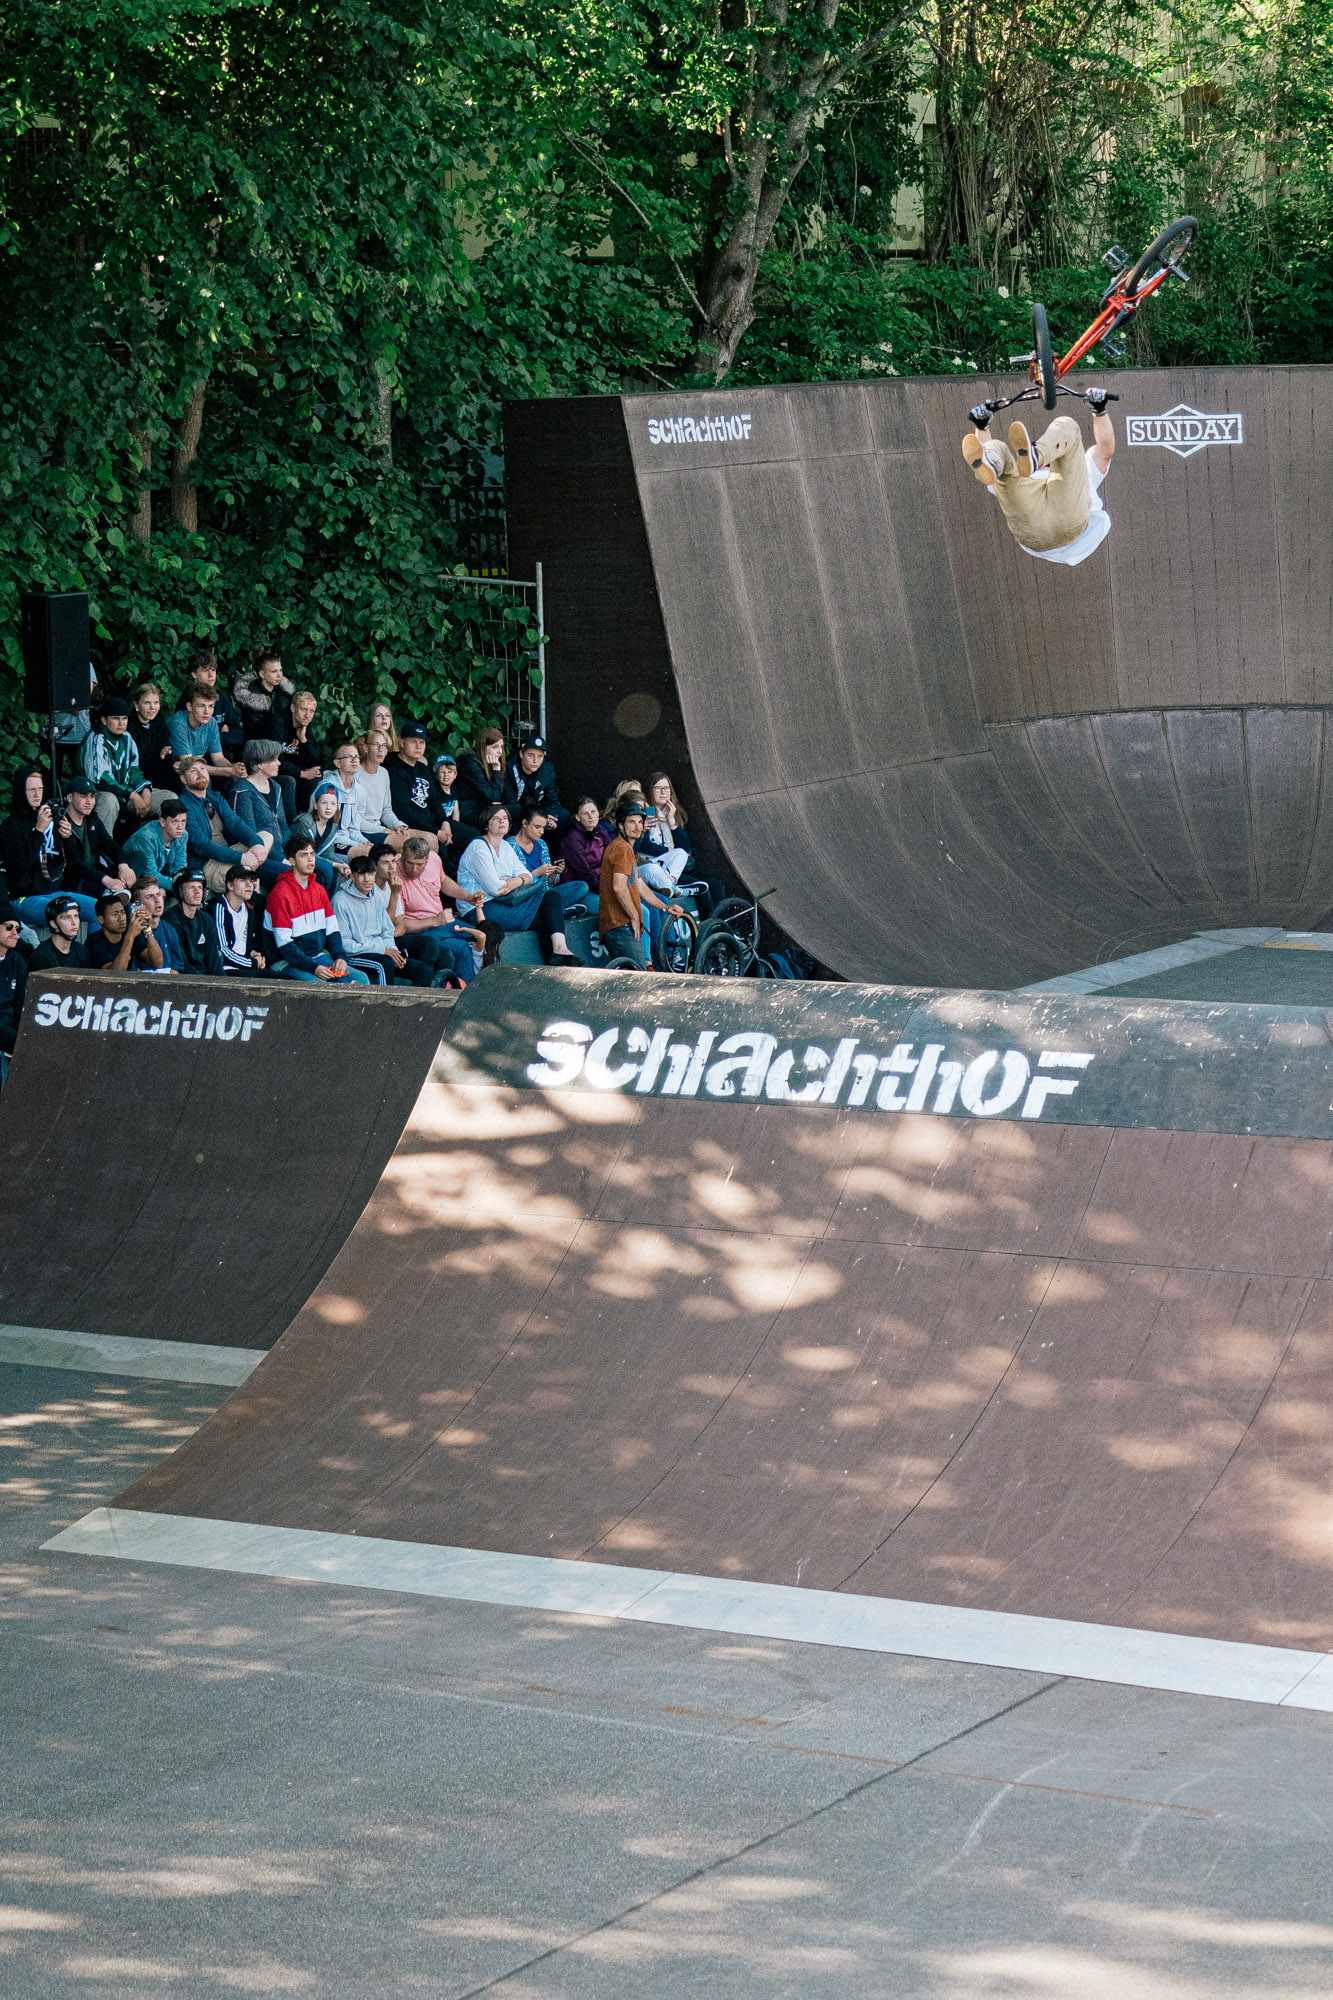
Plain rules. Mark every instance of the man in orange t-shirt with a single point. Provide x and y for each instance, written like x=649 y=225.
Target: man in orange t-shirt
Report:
x=622 y=892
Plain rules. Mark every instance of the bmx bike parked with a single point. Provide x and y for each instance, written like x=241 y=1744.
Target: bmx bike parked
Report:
x=1122 y=298
x=728 y=945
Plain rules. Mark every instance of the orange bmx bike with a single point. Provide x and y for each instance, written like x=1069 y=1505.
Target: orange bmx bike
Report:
x=1122 y=298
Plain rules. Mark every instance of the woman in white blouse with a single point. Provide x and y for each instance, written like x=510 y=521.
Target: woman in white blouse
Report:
x=380 y=823
x=513 y=900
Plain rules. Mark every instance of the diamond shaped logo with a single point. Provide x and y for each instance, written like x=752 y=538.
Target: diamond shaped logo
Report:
x=1185 y=430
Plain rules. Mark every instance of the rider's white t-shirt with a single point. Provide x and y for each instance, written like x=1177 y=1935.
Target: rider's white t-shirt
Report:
x=1098 y=528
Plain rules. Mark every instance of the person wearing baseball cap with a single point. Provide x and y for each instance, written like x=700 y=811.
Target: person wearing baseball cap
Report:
x=110 y=762
x=415 y=795
x=530 y=781
x=93 y=861
x=61 y=950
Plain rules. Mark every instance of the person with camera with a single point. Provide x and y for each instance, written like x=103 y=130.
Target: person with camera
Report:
x=32 y=850
x=124 y=940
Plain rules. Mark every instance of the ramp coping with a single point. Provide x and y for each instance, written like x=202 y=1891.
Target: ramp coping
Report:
x=118 y=1354
x=1172 y=1662
x=1142 y=964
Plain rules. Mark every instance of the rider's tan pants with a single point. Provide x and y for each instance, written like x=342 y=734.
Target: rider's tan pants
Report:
x=1048 y=513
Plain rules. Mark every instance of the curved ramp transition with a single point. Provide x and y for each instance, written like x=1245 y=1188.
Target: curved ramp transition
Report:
x=957 y=764
x=180 y=1160
x=1011 y=1302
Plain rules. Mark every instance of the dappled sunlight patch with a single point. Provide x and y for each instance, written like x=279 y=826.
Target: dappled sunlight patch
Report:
x=766 y=1277
x=1058 y=1972
x=709 y=1306
x=820 y=1360
x=337 y=1310
x=1153 y=1454
x=463 y=1190
x=1207 y=1926
x=1064 y=1285
x=13 y=1918
x=1032 y=1390
x=194 y=1875
x=1113 y=1231
x=638 y=1258
x=969 y=1568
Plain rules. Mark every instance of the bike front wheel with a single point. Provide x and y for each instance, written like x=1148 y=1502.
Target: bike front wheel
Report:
x=1164 y=252
x=673 y=947
x=1044 y=356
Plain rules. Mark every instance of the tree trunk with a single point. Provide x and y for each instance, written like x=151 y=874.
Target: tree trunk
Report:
x=379 y=445
x=141 y=520
x=184 y=493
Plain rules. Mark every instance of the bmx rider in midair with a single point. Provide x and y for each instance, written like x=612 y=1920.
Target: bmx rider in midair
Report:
x=1049 y=490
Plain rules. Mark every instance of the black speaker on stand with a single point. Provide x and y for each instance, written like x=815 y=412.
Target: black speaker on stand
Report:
x=57 y=671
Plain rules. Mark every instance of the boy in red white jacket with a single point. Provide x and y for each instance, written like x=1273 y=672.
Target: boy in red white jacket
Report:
x=306 y=940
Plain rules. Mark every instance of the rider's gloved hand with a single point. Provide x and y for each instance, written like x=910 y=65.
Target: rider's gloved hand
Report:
x=1097 y=399
x=980 y=414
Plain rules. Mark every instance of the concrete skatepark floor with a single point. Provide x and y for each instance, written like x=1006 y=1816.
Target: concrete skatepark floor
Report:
x=320 y=1790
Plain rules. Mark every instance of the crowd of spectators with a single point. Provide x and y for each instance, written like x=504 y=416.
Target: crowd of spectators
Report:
x=229 y=837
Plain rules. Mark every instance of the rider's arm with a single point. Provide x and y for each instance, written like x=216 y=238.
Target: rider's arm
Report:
x=620 y=890
x=1103 y=441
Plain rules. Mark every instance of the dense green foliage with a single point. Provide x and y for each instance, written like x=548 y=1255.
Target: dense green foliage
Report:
x=270 y=270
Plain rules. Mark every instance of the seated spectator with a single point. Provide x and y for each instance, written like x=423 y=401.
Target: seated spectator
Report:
x=204 y=674
x=530 y=781
x=215 y=837
x=426 y=913
x=628 y=788
x=263 y=698
x=109 y=760
x=233 y=920
x=148 y=727
x=417 y=799
x=62 y=951
x=536 y=856
x=257 y=801
x=305 y=758
x=31 y=851
x=585 y=843
x=493 y=866
x=482 y=783
x=159 y=848
x=320 y=824
x=93 y=862
x=381 y=718
x=306 y=944
x=381 y=824
x=153 y=899
x=125 y=940
x=623 y=892
x=194 y=733
x=350 y=836
x=192 y=935
x=13 y=984
x=367 y=932
x=435 y=963
x=664 y=847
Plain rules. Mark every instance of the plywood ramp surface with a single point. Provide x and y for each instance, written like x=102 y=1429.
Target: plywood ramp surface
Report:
x=1059 y=1368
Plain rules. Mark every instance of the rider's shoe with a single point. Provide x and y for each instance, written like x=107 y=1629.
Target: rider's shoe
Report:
x=977 y=455
x=1021 y=446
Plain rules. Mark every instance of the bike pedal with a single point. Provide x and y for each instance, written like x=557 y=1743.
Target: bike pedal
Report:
x=1115 y=259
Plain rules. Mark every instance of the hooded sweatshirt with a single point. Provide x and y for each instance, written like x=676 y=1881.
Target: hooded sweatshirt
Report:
x=33 y=863
x=262 y=713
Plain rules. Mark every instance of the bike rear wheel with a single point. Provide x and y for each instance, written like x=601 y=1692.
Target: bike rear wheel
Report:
x=1044 y=355
x=1175 y=240
x=721 y=955
x=733 y=914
